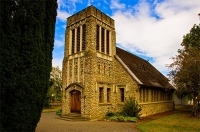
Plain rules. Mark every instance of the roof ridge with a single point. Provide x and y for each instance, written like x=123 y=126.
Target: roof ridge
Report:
x=142 y=69
x=133 y=54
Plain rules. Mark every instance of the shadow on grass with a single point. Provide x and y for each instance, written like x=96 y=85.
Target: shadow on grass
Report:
x=178 y=120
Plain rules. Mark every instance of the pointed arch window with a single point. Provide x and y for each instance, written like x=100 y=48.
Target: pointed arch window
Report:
x=97 y=37
x=73 y=40
x=102 y=39
x=108 y=42
x=78 y=40
x=84 y=37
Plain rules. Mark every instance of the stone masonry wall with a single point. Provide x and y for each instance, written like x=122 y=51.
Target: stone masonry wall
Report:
x=119 y=78
x=156 y=107
x=112 y=74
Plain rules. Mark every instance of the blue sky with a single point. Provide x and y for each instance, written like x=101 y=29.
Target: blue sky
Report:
x=151 y=29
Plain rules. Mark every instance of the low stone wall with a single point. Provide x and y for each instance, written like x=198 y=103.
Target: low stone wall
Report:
x=151 y=108
x=55 y=105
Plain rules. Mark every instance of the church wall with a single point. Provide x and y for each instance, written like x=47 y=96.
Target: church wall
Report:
x=118 y=78
x=98 y=72
x=156 y=107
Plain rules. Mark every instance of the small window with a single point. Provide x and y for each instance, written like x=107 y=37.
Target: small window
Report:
x=109 y=71
x=76 y=68
x=70 y=71
x=81 y=67
x=101 y=95
x=108 y=95
x=143 y=67
x=121 y=94
x=104 y=69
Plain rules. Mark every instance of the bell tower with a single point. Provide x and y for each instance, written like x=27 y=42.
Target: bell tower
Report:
x=88 y=56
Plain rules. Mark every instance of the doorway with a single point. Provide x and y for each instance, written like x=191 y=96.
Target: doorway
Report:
x=75 y=101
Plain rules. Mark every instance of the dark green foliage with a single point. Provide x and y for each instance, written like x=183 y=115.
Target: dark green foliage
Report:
x=131 y=119
x=121 y=118
x=185 y=70
x=130 y=112
x=59 y=112
x=131 y=108
x=181 y=93
x=55 y=83
x=26 y=44
x=110 y=114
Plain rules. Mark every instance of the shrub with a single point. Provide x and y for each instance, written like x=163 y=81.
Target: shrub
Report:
x=122 y=118
x=109 y=114
x=130 y=119
x=131 y=108
x=113 y=118
x=59 y=112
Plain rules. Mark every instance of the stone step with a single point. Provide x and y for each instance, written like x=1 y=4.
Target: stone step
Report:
x=73 y=117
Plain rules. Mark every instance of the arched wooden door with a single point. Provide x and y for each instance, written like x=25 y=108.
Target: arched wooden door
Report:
x=76 y=101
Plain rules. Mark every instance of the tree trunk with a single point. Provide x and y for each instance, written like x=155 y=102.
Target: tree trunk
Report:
x=195 y=106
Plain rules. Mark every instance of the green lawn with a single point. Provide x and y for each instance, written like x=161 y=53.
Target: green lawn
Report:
x=178 y=122
x=51 y=109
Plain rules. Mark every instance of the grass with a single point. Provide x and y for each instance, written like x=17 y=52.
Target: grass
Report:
x=179 y=106
x=180 y=121
x=54 y=109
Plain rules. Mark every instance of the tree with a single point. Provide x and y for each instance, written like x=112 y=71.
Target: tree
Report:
x=54 y=92
x=185 y=70
x=180 y=93
x=26 y=44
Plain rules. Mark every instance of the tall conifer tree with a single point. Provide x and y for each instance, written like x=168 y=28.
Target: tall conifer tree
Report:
x=26 y=44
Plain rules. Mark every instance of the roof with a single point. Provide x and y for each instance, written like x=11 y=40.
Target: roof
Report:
x=141 y=70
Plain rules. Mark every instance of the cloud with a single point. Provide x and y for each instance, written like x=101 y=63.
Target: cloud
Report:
x=89 y=2
x=58 y=43
x=61 y=3
x=116 y=5
x=159 y=35
x=72 y=5
x=62 y=15
x=68 y=5
x=173 y=7
x=57 y=62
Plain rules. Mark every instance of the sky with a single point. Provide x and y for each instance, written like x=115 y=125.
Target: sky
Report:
x=151 y=29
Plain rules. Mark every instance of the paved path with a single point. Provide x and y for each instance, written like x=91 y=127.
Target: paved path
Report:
x=48 y=123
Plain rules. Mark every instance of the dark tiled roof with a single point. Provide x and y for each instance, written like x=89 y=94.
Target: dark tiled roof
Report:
x=143 y=70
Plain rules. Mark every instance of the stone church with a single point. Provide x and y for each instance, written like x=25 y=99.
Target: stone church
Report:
x=98 y=76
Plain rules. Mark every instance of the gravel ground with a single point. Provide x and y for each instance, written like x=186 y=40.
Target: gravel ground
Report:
x=48 y=123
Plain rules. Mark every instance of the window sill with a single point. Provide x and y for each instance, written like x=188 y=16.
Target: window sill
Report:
x=156 y=102
x=121 y=103
x=102 y=104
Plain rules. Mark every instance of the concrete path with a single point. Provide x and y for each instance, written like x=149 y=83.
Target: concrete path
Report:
x=48 y=123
